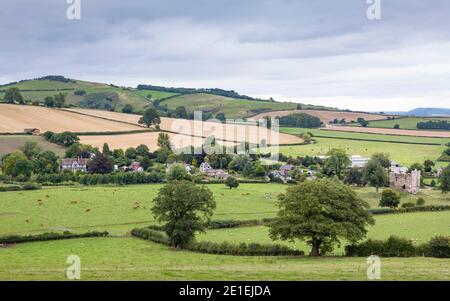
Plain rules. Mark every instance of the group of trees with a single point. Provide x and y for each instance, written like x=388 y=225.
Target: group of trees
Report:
x=362 y=122
x=185 y=209
x=64 y=138
x=301 y=120
x=12 y=95
x=434 y=125
x=29 y=159
x=55 y=101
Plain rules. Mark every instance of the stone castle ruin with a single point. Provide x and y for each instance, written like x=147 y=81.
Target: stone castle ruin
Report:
x=409 y=182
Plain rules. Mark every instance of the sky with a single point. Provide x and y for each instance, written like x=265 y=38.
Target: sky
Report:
x=323 y=52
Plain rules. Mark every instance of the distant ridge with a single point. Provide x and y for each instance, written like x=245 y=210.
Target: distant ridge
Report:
x=424 y=112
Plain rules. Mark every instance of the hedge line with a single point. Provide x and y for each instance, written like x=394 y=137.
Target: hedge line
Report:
x=438 y=246
x=14 y=239
x=28 y=186
x=225 y=248
x=427 y=208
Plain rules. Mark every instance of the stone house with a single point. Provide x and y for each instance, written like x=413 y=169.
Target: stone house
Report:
x=409 y=182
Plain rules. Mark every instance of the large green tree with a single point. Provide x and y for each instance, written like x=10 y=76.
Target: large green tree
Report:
x=445 y=180
x=321 y=213
x=150 y=117
x=12 y=95
x=30 y=149
x=336 y=162
x=390 y=198
x=184 y=208
x=375 y=174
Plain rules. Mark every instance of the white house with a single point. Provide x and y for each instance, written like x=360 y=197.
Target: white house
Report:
x=78 y=164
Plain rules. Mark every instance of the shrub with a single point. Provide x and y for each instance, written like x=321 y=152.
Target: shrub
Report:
x=439 y=247
x=420 y=202
x=408 y=205
x=389 y=198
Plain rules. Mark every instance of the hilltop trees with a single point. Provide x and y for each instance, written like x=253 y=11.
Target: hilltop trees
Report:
x=12 y=95
x=184 y=208
x=150 y=117
x=321 y=213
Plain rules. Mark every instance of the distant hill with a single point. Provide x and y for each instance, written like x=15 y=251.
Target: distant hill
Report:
x=424 y=112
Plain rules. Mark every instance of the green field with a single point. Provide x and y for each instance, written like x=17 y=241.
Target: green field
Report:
x=406 y=154
x=407 y=123
x=155 y=94
x=419 y=227
x=124 y=257
x=121 y=96
x=364 y=136
x=10 y=143
x=111 y=208
x=133 y=259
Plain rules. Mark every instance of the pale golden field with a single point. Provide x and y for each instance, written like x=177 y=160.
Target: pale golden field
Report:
x=397 y=132
x=324 y=116
x=228 y=132
x=149 y=139
x=16 y=118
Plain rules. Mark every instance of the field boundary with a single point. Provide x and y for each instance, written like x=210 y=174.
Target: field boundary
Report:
x=355 y=131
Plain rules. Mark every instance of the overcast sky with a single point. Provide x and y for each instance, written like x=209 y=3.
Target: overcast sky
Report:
x=321 y=52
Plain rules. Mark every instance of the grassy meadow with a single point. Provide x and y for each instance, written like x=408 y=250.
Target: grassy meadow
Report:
x=407 y=123
x=103 y=208
x=405 y=154
x=122 y=257
x=119 y=258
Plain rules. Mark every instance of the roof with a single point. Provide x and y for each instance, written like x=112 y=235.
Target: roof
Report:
x=70 y=161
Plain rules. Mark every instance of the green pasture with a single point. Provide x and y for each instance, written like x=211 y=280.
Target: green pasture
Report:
x=126 y=258
x=406 y=154
x=364 y=136
x=419 y=227
x=407 y=123
x=110 y=208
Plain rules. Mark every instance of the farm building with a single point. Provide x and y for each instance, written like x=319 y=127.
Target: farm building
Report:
x=358 y=161
x=78 y=164
x=32 y=131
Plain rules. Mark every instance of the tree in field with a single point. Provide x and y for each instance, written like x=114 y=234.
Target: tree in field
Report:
x=375 y=174
x=336 y=162
x=428 y=165
x=127 y=109
x=321 y=213
x=231 y=182
x=390 y=198
x=180 y=112
x=49 y=101
x=221 y=117
x=354 y=176
x=12 y=95
x=362 y=122
x=150 y=117
x=164 y=141
x=445 y=180
x=184 y=208
x=382 y=158
x=101 y=163
x=30 y=149
x=60 y=100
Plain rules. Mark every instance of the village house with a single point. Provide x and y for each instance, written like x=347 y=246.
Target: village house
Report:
x=205 y=166
x=78 y=164
x=218 y=174
x=136 y=167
